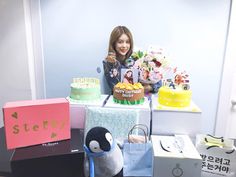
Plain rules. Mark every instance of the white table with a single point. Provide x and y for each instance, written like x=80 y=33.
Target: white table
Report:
x=172 y=120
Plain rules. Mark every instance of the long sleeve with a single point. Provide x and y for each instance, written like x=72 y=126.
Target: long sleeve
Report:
x=156 y=86
x=112 y=73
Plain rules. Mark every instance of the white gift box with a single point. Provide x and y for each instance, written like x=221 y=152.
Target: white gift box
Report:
x=144 y=110
x=173 y=120
x=175 y=156
x=78 y=110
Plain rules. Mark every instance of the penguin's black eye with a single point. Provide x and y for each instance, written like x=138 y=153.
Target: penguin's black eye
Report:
x=94 y=146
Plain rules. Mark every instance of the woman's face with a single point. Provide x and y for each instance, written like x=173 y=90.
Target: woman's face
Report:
x=129 y=74
x=145 y=74
x=122 y=45
x=115 y=72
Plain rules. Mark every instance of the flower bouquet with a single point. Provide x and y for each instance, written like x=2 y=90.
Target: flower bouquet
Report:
x=152 y=64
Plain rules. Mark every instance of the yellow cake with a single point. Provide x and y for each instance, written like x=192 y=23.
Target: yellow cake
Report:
x=174 y=97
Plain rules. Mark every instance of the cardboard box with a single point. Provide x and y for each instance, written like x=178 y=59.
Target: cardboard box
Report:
x=36 y=121
x=56 y=159
x=175 y=156
x=78 y=110
x=171 y=120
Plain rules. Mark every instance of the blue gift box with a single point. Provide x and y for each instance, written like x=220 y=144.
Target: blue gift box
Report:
x=117 y=121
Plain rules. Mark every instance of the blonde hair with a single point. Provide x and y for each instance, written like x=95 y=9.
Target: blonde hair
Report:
x=115 y=35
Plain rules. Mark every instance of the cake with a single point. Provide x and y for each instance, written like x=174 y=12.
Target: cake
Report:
x=178 y=96
x=85 y=89
x=128 y=94
x=175 y=91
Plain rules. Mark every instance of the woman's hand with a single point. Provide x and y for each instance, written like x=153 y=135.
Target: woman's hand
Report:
x=111 y=58
x=147 y=88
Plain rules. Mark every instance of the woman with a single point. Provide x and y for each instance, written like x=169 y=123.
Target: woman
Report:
x=120 y=48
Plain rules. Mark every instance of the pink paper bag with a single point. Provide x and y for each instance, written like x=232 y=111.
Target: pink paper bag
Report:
x=36 y=122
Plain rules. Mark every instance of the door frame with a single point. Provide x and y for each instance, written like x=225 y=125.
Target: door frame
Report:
x=224 y=102
x=32 y=13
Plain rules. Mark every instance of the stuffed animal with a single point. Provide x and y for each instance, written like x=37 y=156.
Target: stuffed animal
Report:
x=103 y=156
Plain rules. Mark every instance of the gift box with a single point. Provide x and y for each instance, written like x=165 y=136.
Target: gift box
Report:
x=175 y=156
x=118 y=121
x=56 y=159
x=78 y=110
x=36 y=121
x=144 y=116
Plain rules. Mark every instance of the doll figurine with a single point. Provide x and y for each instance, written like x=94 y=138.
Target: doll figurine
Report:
x=103 y=154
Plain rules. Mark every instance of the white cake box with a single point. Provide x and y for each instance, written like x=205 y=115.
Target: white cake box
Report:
x=78 y=110
x=144 y=110
x=175 y=156
x=172 y=120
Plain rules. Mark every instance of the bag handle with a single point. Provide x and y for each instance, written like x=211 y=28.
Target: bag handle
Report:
x=138 y=126
x=144 y=126
x=220 y=142
x=214 y=137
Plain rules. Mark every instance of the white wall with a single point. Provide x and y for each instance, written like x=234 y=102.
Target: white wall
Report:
x=76 y=33
x=14 y=73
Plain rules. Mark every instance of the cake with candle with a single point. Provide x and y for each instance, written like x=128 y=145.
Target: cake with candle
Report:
x=85 y=89
x=128 y=94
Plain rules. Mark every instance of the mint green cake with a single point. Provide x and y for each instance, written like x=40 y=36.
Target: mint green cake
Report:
x=85 y=89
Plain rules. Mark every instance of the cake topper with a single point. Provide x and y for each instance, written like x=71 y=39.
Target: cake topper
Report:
x=129 y=62
x=152 y=64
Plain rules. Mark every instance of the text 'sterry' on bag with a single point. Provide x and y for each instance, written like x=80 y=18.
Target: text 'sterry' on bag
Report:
x=218 y=156
x=138 y=154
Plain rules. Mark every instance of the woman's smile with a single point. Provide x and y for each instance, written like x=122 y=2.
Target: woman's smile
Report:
x=123 y=45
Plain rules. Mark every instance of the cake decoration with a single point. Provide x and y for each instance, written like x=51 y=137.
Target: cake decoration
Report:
x=176 y=92
x=128 y=94
x=155 y=74
x=152 y=64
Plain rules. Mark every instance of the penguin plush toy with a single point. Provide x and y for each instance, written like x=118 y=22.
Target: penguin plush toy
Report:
x=103 y=156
